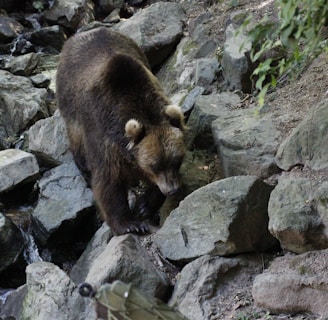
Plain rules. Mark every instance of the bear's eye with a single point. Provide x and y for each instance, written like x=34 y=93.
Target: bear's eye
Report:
x=156 y=168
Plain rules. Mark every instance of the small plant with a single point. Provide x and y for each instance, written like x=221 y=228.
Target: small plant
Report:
x=285 y=48
x=38 y=5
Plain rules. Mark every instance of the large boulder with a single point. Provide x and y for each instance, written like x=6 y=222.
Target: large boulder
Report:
x=295 y=284
x=21 y=104
x=48 y=140
x=298 y=214
x=156 y=29
x=307 y=143
x=225 y=217
x=64 y=212
x=16 y=166
x=125 y=259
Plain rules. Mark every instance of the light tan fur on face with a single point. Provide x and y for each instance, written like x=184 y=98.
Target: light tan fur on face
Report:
x=162 y=145
x=174 y=113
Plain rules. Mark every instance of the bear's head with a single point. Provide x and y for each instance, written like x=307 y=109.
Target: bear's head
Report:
x=159 y=150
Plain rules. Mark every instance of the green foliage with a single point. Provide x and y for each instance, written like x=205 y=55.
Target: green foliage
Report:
x=38 y=5
x=286 y=46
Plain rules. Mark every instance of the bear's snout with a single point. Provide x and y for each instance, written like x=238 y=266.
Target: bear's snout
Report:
x=168 y=184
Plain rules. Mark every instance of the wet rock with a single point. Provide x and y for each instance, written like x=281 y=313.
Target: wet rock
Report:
x=49 y=142
x=225 y=217
x=125 y=259
x=301 y=280
x=11 y=243
x=298 y=214
x=71 y=14
x=16 y=166
x=64 y=212
x=156 y=29
x=296 y=149
x=205 y=285
x=22 y=65
x=21 y=104
x=9 y=28
x=12 y=308
x=236 y=65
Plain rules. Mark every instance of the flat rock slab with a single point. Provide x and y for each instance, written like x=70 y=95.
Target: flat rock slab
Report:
x=295 y=284
x=16 y=166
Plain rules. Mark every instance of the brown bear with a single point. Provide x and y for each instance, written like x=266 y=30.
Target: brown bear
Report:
x=120 y=124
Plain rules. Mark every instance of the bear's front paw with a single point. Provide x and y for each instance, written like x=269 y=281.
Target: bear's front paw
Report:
x=137 y=227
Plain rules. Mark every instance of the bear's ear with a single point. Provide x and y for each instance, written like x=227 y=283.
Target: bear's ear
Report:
x=134 y=130
x=175 y=116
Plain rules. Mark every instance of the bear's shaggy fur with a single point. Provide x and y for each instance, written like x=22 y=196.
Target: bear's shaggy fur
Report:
x=120 y=124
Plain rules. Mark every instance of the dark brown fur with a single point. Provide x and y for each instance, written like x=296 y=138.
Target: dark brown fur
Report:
x=120 y=125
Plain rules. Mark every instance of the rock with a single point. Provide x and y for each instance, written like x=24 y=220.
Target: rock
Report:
x=307 y=143
x=295 y=284
x=178 y=72
x=12 y=308
x=156 y=29
x=64 y=212
x=205 y=286
x=125 y=259
x=48 y=140
x=206 y=110
x=49 y=37
x=225 y=217
x=9 y=29
x=40 y=80
x=206 y=71
x=11 y=242
x=71 y=14
x=50 y=294
x=246 y=141
x=21 y=105
x=16 y=166
x=12 y=5
x=95 y=247
x=298 y=214
x=190 y=99
x=107 y=6
x=22 y=65
x=236 y=65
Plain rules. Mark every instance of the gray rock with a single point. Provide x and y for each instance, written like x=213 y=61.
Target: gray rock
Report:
x=205 y=285
x=40 y=80
x=16 y=166
x=307 y=143
x=225 y=217
x=48 y=140
x=107 y=6
x=156 y=29
x=190 y=98
x=295 y=284
x=236 y=65
x=246 y=141
x=71 y=14
x=206 y=71
x=50 y=294
x=125 y=259
x=178 y=72
x=64 y=211
x=21 y=104
x=22 y=65
x=298 y=214
x=49 y=37
x=95 y=247
x=11 y=242
x=9 y=28
x=206 y=110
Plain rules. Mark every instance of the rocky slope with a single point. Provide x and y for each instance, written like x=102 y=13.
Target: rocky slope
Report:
x=247 y=236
